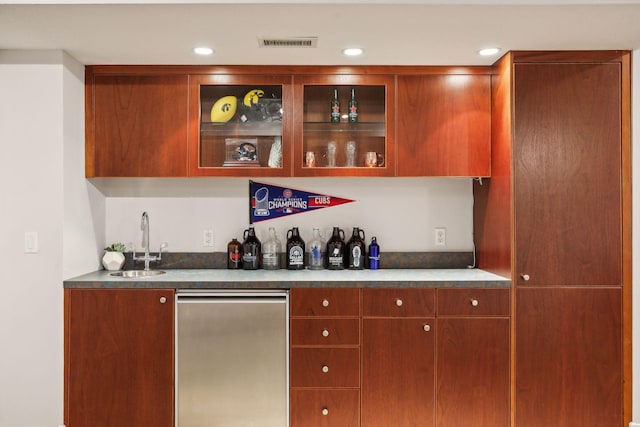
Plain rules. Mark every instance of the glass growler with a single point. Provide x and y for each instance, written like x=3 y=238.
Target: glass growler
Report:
x=335 y=250
x=234 y=255
x=251 y=250
x=316 y=251
x=356 y=251
x=295 y=250
x=271 y=251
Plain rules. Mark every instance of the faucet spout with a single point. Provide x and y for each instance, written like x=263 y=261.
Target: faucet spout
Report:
x=147 y=258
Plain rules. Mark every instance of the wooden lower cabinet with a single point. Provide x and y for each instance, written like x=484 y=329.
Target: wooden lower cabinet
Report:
x=568 y=357
x=118 y=358
x=325 y=408
x=398 y=372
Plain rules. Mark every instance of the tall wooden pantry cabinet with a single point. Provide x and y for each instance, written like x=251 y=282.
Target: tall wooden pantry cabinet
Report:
x=555 y=217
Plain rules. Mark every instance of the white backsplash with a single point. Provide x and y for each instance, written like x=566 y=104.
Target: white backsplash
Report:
x=401 y=212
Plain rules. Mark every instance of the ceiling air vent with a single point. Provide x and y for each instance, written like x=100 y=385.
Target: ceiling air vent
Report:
x=288 y=42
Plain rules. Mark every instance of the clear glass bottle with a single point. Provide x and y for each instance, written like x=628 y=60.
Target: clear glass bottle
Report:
x=295 y=250
x=353 y=107
x=335 y=250
x=316 y=251
x=271 y=250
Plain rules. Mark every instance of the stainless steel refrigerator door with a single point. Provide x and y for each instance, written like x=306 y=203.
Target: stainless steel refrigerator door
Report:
x=232 y=360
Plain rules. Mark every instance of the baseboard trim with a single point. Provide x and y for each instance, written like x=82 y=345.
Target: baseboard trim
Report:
x=634 y=424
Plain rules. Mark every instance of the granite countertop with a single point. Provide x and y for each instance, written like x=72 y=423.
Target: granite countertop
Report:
x=286 y=279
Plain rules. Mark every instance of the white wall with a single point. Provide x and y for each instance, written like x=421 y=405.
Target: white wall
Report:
x=401 y=213
x=41 y=107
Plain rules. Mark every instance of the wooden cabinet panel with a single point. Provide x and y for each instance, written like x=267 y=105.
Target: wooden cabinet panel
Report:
x=325 y=408
x=325 y=332
x=473 y=381
x=397 y=372
x=568 y=357
x=118 y=358
x=325 y=302
x=136 y=125
x=398 y=302
x=444 y=125
x=325 y=367
x=567 y=166
x=474 y=302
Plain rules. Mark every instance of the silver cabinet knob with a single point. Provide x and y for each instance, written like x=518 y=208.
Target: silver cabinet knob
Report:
x=525 y=277
x=475 y=302
x=399 y=302
x=325 y=369
x=426 y=328
x=325 y=333
x=325 y=303
x=163 y=300
x=325 y=411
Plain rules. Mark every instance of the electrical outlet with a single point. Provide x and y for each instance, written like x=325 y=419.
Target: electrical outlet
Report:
x=207 y=238
x=440 y=236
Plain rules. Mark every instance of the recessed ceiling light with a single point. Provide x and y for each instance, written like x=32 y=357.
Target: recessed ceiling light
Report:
x=202 y=50
x=489 y=51
x=353 y=51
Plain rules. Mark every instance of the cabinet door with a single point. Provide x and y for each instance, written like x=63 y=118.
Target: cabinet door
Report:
x=397 y=372
x=119 y=358
x=444 y=125
x=473 y=372
x=239 y=125
x=568 y=357
x=136 y=126
x=323 y=148
x=325 y=408
x=567 y=166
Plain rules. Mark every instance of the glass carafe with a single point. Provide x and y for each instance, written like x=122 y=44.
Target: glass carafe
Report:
x=271 y=251
x=316 y=251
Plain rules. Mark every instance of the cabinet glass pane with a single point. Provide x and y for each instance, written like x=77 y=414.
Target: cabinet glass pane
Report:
x=240 y=126
x=344 y=144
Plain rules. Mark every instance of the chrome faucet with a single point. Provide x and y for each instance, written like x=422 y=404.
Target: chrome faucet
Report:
x=147 y=258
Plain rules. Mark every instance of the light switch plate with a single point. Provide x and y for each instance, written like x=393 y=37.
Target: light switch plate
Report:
x=30 y=242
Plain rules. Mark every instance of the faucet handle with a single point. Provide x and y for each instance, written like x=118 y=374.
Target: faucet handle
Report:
x=163 y=248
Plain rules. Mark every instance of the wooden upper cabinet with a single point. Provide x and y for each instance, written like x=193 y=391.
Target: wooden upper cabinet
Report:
x=323 y=148
x=240 y=125
x=568 y=174
x=136 y=125
x=444 y=125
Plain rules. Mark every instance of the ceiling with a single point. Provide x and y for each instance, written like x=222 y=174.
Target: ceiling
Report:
x=418 y=32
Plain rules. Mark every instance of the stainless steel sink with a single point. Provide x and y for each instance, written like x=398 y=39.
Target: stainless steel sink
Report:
x=131 y=274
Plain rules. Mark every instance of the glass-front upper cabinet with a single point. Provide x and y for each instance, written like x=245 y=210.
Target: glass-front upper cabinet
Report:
x=343 y=125
x=240 y=125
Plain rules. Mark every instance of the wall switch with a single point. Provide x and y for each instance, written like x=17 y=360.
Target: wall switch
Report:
x=207 y=238
x=30 y=242
x=440 y=236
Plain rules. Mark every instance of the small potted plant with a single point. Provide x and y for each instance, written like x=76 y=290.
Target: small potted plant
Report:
x=113 y=258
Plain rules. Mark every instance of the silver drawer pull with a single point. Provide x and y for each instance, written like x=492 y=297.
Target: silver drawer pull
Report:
x=325 y=369
x=325 y=411
x=399 y=302
x=426 y=328
x=474 y=302
x=163 y=300
x=325 y=333
x=325 y=303
x=525 y=277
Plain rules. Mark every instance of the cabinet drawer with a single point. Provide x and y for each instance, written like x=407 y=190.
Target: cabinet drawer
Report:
x=325 y=408
x=325 y=331
x=473 y=302
x=324 y=302
x=398 y=302
x=325 y=367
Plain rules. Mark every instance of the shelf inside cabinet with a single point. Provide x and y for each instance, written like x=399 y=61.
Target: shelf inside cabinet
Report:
x=242 y=129
x=370 y=128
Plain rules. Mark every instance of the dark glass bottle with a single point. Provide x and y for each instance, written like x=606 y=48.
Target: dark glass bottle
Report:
x=295 y=250
x=353 y=107
x=234 y=255
x=356 y=251
x=335 y=250
x=335 y=107
x=251 y=250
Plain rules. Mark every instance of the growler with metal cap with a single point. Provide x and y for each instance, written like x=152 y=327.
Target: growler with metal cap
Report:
x=295 y=250
x=335 y=250
x=356 y=251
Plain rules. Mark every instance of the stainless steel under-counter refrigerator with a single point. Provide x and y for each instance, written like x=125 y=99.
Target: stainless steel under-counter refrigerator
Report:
x=232 y=359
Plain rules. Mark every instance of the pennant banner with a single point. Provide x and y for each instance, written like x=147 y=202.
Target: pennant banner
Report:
x=268 y=201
